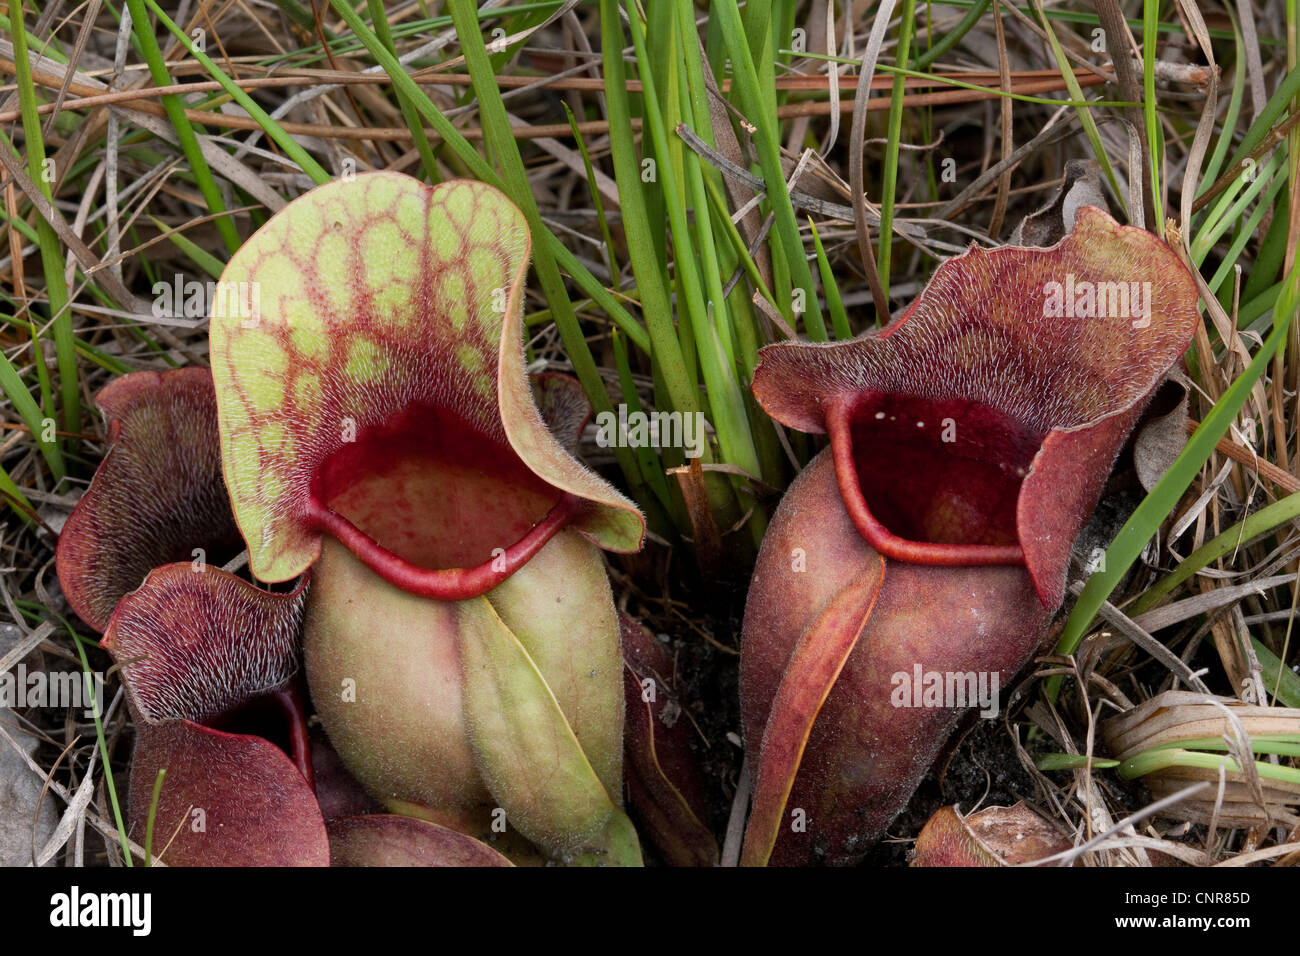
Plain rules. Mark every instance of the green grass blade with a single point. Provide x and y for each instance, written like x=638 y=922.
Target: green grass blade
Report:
x=84 y=350
x=1215 y=162
x=1273 y=109
x=611 y=257
x=500 y=139
x=1162 y=499
x=1073 y=762
x=834 y=304
x=1267 y=267
x=1215 y=227
x=174 y=104
x=1261 y=522
x=1155 y=136
x=104 y=757
x=1279 y=680
x=1084 y=112
x=767 y=140
x=1246 y=232
x=16 y=499
x=480 y=168
x=721 y=213
x=36 y=421
x=198 y=255
x=954 y=36
x=722 y=389
x=153 y=812
x=1282 y=744
x=651 y=467
x=728 y=403
x=52 y=264
x=1149 y=761
x=269 y=126
x=893 y=136
x=409 y=115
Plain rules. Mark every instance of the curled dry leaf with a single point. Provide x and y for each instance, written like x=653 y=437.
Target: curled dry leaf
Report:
x=1176 y=722
x=994 y=836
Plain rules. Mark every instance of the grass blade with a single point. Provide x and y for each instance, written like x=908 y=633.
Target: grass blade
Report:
x=480 y=168
x=767 y=140
x=1155 y=136
x=270 y=126
x=175 y=107
x=52 y=262
x=1084 y=112
x=501 y=140
x=889 y=174
x=834 y=304
x=409 y=114
x=1148 y=516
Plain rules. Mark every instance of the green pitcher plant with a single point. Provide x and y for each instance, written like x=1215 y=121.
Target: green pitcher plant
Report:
x=379 y=432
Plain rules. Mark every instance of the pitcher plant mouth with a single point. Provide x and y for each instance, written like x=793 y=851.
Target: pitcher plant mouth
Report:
x=223 y=759
x=950 y=526
x=374 y=390
x=977 y=429
x=380 y=431
x=434 y=506
x=210 y=667
x=442 y=584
